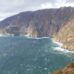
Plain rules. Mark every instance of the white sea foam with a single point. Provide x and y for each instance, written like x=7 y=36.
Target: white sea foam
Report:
x=1 y=35
x=59 y=47
x=6 y=35
x=27 y=36
x=58 y=43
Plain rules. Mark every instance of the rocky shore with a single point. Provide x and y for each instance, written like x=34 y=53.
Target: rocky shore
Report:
x=69 y=69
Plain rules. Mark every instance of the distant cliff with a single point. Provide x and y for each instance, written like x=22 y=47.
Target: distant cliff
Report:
x=39 y=23
x=56 y=23
x=69 y=69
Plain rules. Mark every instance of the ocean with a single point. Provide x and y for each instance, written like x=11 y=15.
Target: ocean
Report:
x=22 y=55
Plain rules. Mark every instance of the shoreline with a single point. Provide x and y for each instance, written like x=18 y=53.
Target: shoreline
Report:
x=27 y=36
x=59 y=47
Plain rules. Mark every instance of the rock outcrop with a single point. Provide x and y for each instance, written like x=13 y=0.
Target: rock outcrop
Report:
x=67 y=70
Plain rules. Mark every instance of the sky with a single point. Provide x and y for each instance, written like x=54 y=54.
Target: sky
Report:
x=11 y=7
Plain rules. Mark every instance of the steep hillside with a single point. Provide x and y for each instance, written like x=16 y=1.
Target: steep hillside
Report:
x=67 y=70
x=66 y=34
x=36 y=23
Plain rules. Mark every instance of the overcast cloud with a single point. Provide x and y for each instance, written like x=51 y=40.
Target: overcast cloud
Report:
x=11 y=7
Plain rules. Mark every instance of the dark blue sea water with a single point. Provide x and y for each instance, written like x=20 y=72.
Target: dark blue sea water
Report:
x=21 y=55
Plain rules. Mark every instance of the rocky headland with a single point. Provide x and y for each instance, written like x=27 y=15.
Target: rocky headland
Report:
x=54 y=23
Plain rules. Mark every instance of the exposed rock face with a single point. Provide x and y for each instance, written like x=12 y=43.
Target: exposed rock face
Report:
x=67 y=70
x=49 y=22
x=38 y=23
x=66 y=34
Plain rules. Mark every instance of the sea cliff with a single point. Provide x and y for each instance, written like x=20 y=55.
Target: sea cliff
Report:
x=66 y=34
x=56 y=23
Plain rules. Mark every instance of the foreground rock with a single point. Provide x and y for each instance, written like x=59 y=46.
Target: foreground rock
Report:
x=67 y=70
